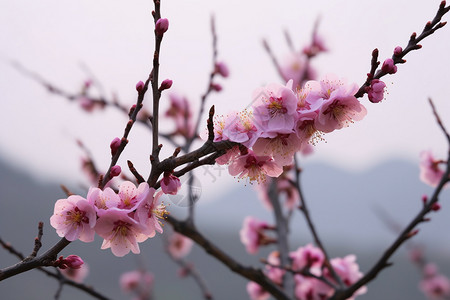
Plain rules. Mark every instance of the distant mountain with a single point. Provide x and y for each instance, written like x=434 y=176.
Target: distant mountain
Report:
x=343 y=206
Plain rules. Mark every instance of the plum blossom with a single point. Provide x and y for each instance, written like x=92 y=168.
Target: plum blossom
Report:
x=71 y=262
x=240 y=128
x=254 y=168
x=274 y=109
x=256 y=292
x=311 y=288
x=130 y=196
x=282 y=148
x=296 y=68
x=348 y=270
x=309 y=257
x=339 y=111
x=252 y=234
x=74 y=218
x=434 y=285
x=275 y=274
x=430 y=173
x=150 y=211
x=222 y=69
x=170 y=184
x=137 y=282
x=103 y=200
x=120 y=232
x=179 y=245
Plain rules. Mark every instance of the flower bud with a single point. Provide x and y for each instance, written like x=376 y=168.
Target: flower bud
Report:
x=115 y=171
x=398 y=50
x=376 y=90
x=222 y=69
x=71 y=261
x=389 y=66
x=436 y=206
x=166 y=84
x=161 y=26
x=115 y=144
x=139 y=86
x=170 y=184
x=216 y=87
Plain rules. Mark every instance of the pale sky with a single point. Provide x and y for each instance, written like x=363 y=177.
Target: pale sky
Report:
x=115 y=40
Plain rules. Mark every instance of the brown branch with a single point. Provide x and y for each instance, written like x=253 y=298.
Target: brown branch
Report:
x=406 y=234
x=413 y=44
x=250 y=273
x=304 y=209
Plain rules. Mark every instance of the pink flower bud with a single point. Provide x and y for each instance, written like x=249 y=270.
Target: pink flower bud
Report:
x=222 y=69
x=424 y=199
x=115 y=171
x=115 y=144
x=166 y=84
x=71 y=261
x=170 y=184
x=436 y=207
x=161 y=26
x=139 y=86
x=398 y=50
x=216 y=87
x=376 y=90
x=389 y=66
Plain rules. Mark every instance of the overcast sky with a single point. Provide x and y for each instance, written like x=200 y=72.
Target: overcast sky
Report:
x=115 y=40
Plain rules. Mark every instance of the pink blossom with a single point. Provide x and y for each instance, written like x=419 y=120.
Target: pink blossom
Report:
x=77 y=275
x=170 y=184
x=305 y=128
x=275 y=274
x=252 y=234
x=434 y=285
x=339 y=111
x=348 y=270
x=430 y=173
x=282 y=148
x=285 y=187
x=308 y=257
x=103 y=200
x=240 y=128
x=254 y=168
x=120 y=232
x=130 y=196
x=138 y=282
x=376 y=90
x=179 y=246
x=74 y=218
x=311 y=288
x=256 y=292
x=229 y=156
x=149 y=213
x=296 y=68
x=274 y=109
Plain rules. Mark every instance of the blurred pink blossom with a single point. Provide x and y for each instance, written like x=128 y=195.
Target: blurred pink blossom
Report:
x=430 y=173
x=179 y=245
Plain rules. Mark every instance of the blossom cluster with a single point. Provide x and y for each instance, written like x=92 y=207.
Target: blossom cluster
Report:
x=122 y=219
x=282 y=121
x=310 y=260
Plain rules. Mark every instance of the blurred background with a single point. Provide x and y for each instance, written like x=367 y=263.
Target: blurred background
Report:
x=369 y=166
